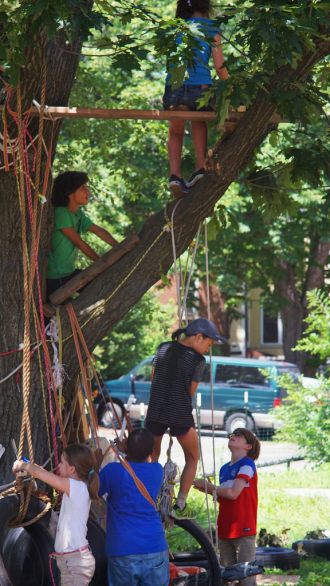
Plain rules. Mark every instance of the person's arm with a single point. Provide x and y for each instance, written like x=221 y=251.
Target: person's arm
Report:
x=72 y=235
x=58 y=482
x=103 y=234
x=218 y=59
x=231 y=493
x=193 y=387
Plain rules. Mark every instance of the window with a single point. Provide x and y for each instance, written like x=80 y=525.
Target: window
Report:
x=271 y=327
x=244 y=375
x=143 y=373
x=229 y=374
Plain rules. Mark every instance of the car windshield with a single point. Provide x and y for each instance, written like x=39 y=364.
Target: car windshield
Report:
x=291 y=370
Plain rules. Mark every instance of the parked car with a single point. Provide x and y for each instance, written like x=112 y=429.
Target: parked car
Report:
x=244 y=391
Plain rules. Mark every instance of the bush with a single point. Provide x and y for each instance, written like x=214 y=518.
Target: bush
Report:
x=305 y=413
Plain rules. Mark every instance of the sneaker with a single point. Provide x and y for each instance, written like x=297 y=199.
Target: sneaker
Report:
x=185 y=513
x=178 y=186
x=196 y=176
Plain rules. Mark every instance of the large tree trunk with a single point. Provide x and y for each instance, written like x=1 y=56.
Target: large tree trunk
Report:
x=218 y=311
x=107 y=299
x=294 y=295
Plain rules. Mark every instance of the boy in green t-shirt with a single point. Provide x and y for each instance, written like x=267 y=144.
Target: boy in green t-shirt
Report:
x=70 y=193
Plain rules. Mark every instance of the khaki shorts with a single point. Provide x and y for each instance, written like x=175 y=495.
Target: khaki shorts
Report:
x=77 y=568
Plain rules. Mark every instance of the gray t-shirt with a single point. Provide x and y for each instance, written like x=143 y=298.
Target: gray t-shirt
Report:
x=175 y=367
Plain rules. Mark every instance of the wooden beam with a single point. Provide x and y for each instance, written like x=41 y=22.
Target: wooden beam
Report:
x=87 y=275
x=124 y=114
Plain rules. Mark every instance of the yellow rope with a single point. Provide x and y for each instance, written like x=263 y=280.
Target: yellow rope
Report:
x=26 y=423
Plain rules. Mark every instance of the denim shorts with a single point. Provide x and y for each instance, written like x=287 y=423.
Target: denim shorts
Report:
x=148 y=569
x=186 y=95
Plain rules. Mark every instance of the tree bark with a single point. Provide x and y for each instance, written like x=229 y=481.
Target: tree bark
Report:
x=218 y=312
x=110 y=296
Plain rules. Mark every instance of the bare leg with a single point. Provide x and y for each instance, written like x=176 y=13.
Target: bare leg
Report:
x=157 y=447
x=199 y=134
x=174 y=145
x=189 y=444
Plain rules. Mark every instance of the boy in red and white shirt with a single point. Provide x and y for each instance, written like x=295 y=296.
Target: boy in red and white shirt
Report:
x=238 y=499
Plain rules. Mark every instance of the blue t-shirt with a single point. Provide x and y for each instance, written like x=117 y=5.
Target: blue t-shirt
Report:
x=133 y=525
x=199 y=73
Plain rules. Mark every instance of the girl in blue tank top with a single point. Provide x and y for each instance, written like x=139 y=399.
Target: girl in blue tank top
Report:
x=198 y=81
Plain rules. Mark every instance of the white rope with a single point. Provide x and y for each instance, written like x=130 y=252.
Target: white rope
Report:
x=186 y=291
x=57 y=368
x=17 y=367
x=176 y=273
x=167 y=489
x=211 y=378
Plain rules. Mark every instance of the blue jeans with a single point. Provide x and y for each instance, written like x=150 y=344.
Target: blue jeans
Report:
x=148 y=569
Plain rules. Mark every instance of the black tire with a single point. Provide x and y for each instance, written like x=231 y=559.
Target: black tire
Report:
x=25 y=551
x=105 y=415
x=198 y=559
x=96 y=540
x=238 y=419
x=277 y=557
x=313 y=547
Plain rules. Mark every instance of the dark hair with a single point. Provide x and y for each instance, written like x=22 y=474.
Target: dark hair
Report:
x=186 y=8
x=183 y=331
x=84 y=461
x=252 y=439
x=65 y=184
x=140 y=444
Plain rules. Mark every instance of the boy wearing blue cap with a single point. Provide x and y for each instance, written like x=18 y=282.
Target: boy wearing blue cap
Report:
x=177 y=369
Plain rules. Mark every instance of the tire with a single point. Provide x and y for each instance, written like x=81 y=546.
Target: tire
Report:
x=277 y=557
x=314 y=547
x=25 y=551
x=96 y=540
x=238 y=419
x=23 y=559
x=105 y=415
x=208 y=558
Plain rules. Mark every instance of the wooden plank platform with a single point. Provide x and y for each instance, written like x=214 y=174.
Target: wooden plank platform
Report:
x=268 y=580
x=55 y=112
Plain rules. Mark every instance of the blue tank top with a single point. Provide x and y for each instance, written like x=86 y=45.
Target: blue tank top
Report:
x=199 y=73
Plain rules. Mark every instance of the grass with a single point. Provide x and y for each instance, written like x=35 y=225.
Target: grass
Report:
x=279 y=511
x=288 y=516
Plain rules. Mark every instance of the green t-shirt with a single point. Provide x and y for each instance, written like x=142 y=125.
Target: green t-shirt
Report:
x=62 y=256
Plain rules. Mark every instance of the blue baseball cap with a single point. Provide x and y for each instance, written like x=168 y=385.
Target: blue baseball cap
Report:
x=206 y=327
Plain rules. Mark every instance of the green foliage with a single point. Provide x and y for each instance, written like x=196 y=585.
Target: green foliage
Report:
x=306 y=411
x=316 y=339
x=136 y=337
x=305 y=416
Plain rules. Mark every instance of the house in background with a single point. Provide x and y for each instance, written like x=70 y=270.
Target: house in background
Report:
x=260 y=333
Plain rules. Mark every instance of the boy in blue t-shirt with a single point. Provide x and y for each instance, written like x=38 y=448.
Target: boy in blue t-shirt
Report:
x=135 y=539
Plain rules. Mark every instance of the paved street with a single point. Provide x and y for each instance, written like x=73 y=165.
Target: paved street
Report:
x=271 y=451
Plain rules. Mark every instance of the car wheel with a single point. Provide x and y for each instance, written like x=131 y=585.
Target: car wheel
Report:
x=107 y=414
x=238 y=419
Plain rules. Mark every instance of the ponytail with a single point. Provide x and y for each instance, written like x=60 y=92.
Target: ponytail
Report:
x=85 y=463
x=178 y=333
x=93 y=484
